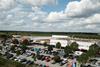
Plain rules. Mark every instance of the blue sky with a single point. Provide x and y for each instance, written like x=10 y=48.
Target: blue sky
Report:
x=60 y=6
x=50 y=15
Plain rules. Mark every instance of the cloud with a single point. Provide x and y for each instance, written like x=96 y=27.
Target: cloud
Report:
x=84 y=8
x=21 y=18
x=77 y=16
x=28 y=15
x=38 y=3
x=7 y=4
x=55 y=16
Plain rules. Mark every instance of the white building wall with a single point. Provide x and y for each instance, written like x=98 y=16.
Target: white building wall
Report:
x=84 y=45
x=62 y=39
x=60 y=36
x=54 y=41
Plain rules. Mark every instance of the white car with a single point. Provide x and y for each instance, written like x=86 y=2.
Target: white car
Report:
x=17 y=59
x=78 y=53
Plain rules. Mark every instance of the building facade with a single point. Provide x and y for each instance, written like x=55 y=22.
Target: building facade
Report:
x=66 y=40
x=59 y=38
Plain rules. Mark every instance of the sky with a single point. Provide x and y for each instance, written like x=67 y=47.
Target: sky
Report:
x=50 y=15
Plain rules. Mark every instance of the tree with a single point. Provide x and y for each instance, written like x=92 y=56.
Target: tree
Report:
x=90 y=53
x=83 y=58
x=67 y=50
x=58 y=45
x=57 y=58
x=50 y=48
x=93 y=49
x=74 y=46
x=45 y=44
x=5 y=37
x=25 y=42
x=18 y=52
x=94 y=46
x=23 y=47
x=15 y=41
x=12 y=48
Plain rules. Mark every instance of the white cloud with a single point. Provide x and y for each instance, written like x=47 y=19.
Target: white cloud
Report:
x=55 y=16
x=84 y=8
x=78 y=16
x=20 y=18
x=95 y=18
x=7 y=4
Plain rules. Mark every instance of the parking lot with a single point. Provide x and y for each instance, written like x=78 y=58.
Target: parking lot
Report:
x=26 y=57
x=38 y=54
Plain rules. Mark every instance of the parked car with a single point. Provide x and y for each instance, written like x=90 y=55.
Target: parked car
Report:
x=8 y=56
x=17 y=59
x=93 y=61
x=64 y=61
x=29 y=62
x=47 y=58
x=78 y=53
x=13 y=58
x=39 y=57
x=23 y=60
x=43 y=58
x=83 y=65
x=55 y=53
x=53 y=62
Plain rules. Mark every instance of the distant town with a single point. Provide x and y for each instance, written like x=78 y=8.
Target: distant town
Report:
x=49 y=49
